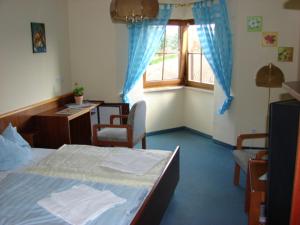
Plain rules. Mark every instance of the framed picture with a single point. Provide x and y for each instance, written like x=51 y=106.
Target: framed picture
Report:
x=269 y=39
x=254 y=23
x=285 y=54
x=38 y=36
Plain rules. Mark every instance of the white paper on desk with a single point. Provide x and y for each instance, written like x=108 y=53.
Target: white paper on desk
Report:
x=78 y=106
x=80 y=204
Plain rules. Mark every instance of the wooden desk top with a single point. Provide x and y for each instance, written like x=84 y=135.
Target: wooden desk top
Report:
x=69 y=113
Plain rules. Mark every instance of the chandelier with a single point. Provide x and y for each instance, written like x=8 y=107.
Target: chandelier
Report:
x=292 y=4
x=131 y=11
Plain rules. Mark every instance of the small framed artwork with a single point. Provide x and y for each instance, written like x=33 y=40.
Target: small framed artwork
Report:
x=254 y=23
x=285 y=54
x=38 y=36
x=269 y=39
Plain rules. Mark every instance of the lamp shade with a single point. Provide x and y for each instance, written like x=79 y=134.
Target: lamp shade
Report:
x=269 y=76
x=133 y=10
x=292 y=4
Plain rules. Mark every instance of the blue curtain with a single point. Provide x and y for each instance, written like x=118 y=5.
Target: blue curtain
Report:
x=144 y=40
x=215 y=38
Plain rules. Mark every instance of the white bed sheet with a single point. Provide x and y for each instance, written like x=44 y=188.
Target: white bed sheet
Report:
x=38 y=154
x=84 y=162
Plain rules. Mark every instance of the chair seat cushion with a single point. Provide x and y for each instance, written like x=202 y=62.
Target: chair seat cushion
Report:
x=242 y=157
x=112 y=134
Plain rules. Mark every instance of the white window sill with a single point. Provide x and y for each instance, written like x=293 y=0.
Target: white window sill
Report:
x=159 y=89
x=172 y=88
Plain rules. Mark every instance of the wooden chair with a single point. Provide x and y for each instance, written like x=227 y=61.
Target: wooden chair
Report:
x=242 y=155
x=255 y=189
x=123 y=135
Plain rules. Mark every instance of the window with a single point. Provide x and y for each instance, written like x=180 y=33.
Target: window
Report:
x=179 y=60
x=199 y=71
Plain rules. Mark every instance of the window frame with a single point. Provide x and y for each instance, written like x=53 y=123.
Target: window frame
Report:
x=183 y=62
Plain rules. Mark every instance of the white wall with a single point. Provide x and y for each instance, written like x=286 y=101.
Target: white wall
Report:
x=164 y=109
x=27 y=78
x=251 y=101
x=98 y=54
x=198 y=110
x=98 y=49
x=99 y=57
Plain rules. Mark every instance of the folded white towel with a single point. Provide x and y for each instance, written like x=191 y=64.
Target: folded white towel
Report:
x=80 y=204
x=138 y=162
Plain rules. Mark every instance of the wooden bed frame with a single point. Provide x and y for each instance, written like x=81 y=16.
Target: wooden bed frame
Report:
x=156 y=202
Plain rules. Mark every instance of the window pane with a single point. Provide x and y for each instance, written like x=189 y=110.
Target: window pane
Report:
x=207 y=73
x=194 y=65
x=193 y=39
x=171 y=66
x=162 y=44
x=154 y=70
x=172 y=39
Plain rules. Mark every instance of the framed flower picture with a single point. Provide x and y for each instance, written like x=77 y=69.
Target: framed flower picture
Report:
x=269 y=39
x=38 y=36
x=285 y=54
x=254 y=23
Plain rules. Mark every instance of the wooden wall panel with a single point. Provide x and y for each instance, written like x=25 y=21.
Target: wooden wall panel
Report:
x=23 y=118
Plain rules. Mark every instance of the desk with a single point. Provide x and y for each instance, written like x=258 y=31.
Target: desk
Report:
x=57 y=127
x=255 y=189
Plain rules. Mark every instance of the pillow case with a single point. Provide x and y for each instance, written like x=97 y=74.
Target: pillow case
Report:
x=12 y=134
x=11 y=154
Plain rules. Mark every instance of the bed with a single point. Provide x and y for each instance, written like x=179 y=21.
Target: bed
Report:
x=149 y=194
x=152 y=202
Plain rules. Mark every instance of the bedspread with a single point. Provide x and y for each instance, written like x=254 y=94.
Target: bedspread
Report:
x=84 y=163
x=20 y=192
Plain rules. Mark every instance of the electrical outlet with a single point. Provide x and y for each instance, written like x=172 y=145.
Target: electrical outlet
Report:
x=253 y=131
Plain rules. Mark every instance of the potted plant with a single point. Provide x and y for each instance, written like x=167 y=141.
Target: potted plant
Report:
x=78 y=93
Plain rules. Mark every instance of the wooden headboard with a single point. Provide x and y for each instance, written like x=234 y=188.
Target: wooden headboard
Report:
x=23 y=118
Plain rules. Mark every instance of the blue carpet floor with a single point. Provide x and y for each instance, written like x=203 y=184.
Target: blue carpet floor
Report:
x=205 y=194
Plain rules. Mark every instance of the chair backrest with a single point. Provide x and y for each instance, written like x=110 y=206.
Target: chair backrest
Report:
x=137 y=119
x=106 y=111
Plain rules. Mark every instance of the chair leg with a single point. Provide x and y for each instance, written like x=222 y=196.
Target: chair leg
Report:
x=254 y=208
x=144 y=142
x=237 y=170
